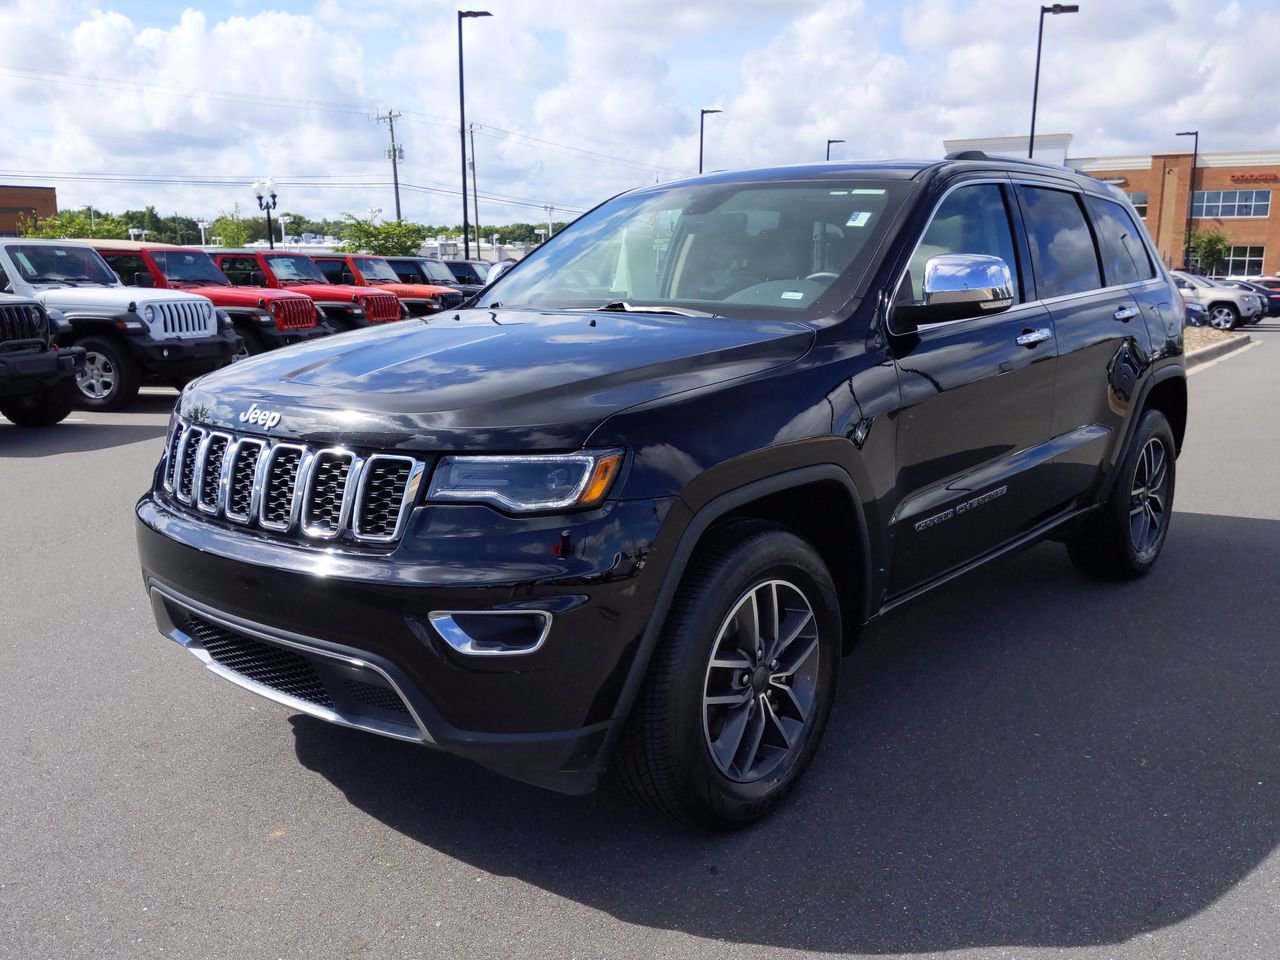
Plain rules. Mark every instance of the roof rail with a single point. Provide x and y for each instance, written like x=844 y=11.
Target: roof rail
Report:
x=967 y=155
x=979 y=155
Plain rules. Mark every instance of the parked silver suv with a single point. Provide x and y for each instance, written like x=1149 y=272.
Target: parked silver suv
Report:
x=1227 y=306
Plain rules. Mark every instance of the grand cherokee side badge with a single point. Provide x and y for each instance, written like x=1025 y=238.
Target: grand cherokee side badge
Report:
x=960 y=508
x=260 y=416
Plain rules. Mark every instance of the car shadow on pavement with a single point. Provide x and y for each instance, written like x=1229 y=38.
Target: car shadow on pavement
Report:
x=1026 y=758
x=73 y=437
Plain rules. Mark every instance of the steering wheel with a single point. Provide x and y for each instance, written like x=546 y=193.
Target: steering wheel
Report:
x=821 y=274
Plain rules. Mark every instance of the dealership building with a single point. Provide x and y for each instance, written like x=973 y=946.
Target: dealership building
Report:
x=1232 y=194
x=17 y=202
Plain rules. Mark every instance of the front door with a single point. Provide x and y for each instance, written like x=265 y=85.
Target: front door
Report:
x=977 y=405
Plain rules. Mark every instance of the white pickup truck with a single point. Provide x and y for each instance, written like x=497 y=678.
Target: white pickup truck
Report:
x=129 y=334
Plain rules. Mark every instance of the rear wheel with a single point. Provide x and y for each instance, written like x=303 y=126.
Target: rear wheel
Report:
x=1123 y=540
x=42 y=409
x=741 y=684
x=109 y=378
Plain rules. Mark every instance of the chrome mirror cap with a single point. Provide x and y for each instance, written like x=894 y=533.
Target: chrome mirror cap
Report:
x=959 y=286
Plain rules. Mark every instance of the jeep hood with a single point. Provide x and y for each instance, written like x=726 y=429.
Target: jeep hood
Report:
x=486 y=379
x=243 y=296
x=115 y=299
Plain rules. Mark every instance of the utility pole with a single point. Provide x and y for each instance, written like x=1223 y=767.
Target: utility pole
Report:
x=395 y=153
x=475 y=190
x=550 y=211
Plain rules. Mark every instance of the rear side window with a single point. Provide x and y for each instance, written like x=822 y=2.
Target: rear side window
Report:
x=1124 y=256
x=239 y=270
x=126 y=265
x=1062 y=249
x=332 y=269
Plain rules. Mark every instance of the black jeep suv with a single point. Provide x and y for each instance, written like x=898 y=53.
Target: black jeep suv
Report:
x=633 y=506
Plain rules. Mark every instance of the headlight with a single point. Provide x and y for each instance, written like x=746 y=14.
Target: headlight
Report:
x=148 y=313
x=208 y=310
x=527 y=484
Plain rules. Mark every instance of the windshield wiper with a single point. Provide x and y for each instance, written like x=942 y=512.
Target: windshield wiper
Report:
x=621 y=306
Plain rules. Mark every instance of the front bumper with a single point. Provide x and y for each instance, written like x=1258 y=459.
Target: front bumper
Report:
x=363 y=616
x=274 y=337
x=184 y=358
x=29 y=371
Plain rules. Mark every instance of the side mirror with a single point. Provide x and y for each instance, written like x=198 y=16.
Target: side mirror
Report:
x=143 y=279
x=257 y=278
x=958 y=286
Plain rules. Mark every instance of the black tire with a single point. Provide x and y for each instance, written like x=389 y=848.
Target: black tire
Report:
x=104 y=354
x=42 y=409
x=1223 y=316
x=1108 y=545
x=665 y=760
x=250 y=343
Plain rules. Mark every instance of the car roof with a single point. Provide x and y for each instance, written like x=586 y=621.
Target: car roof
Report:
x=100 y=244
x=37 y=241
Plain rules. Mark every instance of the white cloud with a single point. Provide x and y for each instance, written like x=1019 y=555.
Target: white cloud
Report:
x=622 y=78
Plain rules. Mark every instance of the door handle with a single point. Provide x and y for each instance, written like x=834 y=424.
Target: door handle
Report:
x=1030 y=338
x=1125 y=313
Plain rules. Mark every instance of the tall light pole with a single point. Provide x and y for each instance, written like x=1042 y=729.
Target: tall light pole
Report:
x=265 y=191
x=702 y=124
x=1191 y=195
x=462 y=128
x=395 y=153
x=829 y=143
x=282 y=220
x=203 y=225
x=1054 y=9
x=475 y=187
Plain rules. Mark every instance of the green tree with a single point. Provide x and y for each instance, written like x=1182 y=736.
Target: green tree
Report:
x=233 y=229
x=75 y=224
x=1210 y=247
x=390 y=239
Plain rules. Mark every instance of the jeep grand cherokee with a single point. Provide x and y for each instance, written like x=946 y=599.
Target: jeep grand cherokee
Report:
x=633 y=506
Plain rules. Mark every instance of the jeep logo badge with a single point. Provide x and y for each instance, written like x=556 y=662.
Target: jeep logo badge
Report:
x=263 y=418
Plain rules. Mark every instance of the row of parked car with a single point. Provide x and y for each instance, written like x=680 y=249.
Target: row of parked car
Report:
x=1228 y=303
x=89 y=322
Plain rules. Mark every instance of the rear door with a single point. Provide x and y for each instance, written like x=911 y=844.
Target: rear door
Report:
x=977 y=404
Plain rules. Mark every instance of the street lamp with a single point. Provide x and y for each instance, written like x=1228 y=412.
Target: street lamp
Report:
x=203 y=225
x=829 y=143
x=462 y=128
x=1055 y=9
x=1191 y=193
x=282 y=220
x=265 y=191
x=702 y=123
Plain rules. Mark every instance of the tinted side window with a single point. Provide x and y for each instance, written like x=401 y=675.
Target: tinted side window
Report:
x=408 y=271
x=126 y=265
x=1062 y=249
x=332 y=269
x=971 y=219
x=1124 y=256
x=239 y=269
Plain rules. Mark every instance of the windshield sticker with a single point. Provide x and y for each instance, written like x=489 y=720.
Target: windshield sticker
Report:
x=26 y=264
x=859 y=219
x=868 y=192
x=792 y=295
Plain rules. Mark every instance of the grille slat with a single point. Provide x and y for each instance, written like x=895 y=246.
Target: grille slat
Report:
x=16 y=323
x=287 y=488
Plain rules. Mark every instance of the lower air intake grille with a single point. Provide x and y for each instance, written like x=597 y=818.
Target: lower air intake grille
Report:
x=264 y=663
x=379 y=698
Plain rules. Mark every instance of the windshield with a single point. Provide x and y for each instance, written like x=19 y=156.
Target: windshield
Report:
x=749 y=249
x=437 y=272
x=375 y=268
x=55 y=263
x=189 y=266
x=294 y=268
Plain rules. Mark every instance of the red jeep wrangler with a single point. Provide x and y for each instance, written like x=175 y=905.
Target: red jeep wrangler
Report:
x=265 y=319
x=342 y=307
x=420 y=299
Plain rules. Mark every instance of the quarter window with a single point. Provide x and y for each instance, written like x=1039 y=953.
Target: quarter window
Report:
x=1140 y=201
x=971 y=219
x=126 y=265
x=332 y=269
x=1124 y=256
x=239 y=270
x=1245 y=261
x=1221 y=204
x=1062 y=249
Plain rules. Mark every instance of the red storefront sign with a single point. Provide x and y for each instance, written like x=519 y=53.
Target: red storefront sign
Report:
x=1254 y=177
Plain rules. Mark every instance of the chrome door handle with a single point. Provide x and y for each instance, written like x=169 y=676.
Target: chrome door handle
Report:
x=1125 y=313
x=1031 y=337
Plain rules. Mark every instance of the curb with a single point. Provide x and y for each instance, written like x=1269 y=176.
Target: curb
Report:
x=1214 y=351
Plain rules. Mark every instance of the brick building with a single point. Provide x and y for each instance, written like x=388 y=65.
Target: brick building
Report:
x=19 y=201
x=1235 y=193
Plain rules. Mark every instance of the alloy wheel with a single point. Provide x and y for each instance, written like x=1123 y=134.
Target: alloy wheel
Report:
x=1149 y=498
x=1222 y=318
x=98 y=377
x=760 y=689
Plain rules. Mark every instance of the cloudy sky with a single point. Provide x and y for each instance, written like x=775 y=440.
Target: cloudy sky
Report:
x=575 y=100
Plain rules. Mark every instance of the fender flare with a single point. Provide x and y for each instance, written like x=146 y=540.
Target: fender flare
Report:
x=1168 y=371
x=698 y=525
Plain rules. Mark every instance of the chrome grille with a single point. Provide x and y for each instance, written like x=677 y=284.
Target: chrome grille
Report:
x=288 y=488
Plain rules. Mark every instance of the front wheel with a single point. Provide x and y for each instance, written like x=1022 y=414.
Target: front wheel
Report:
x=109 y=378
x=42 y=409
x=1123 y=540
x=742 y=682
x=1223 y=316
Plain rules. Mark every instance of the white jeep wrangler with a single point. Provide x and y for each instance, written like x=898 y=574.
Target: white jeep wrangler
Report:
x=129 y=334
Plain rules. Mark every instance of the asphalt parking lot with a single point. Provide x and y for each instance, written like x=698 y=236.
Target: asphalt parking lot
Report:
x=1026 y=764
